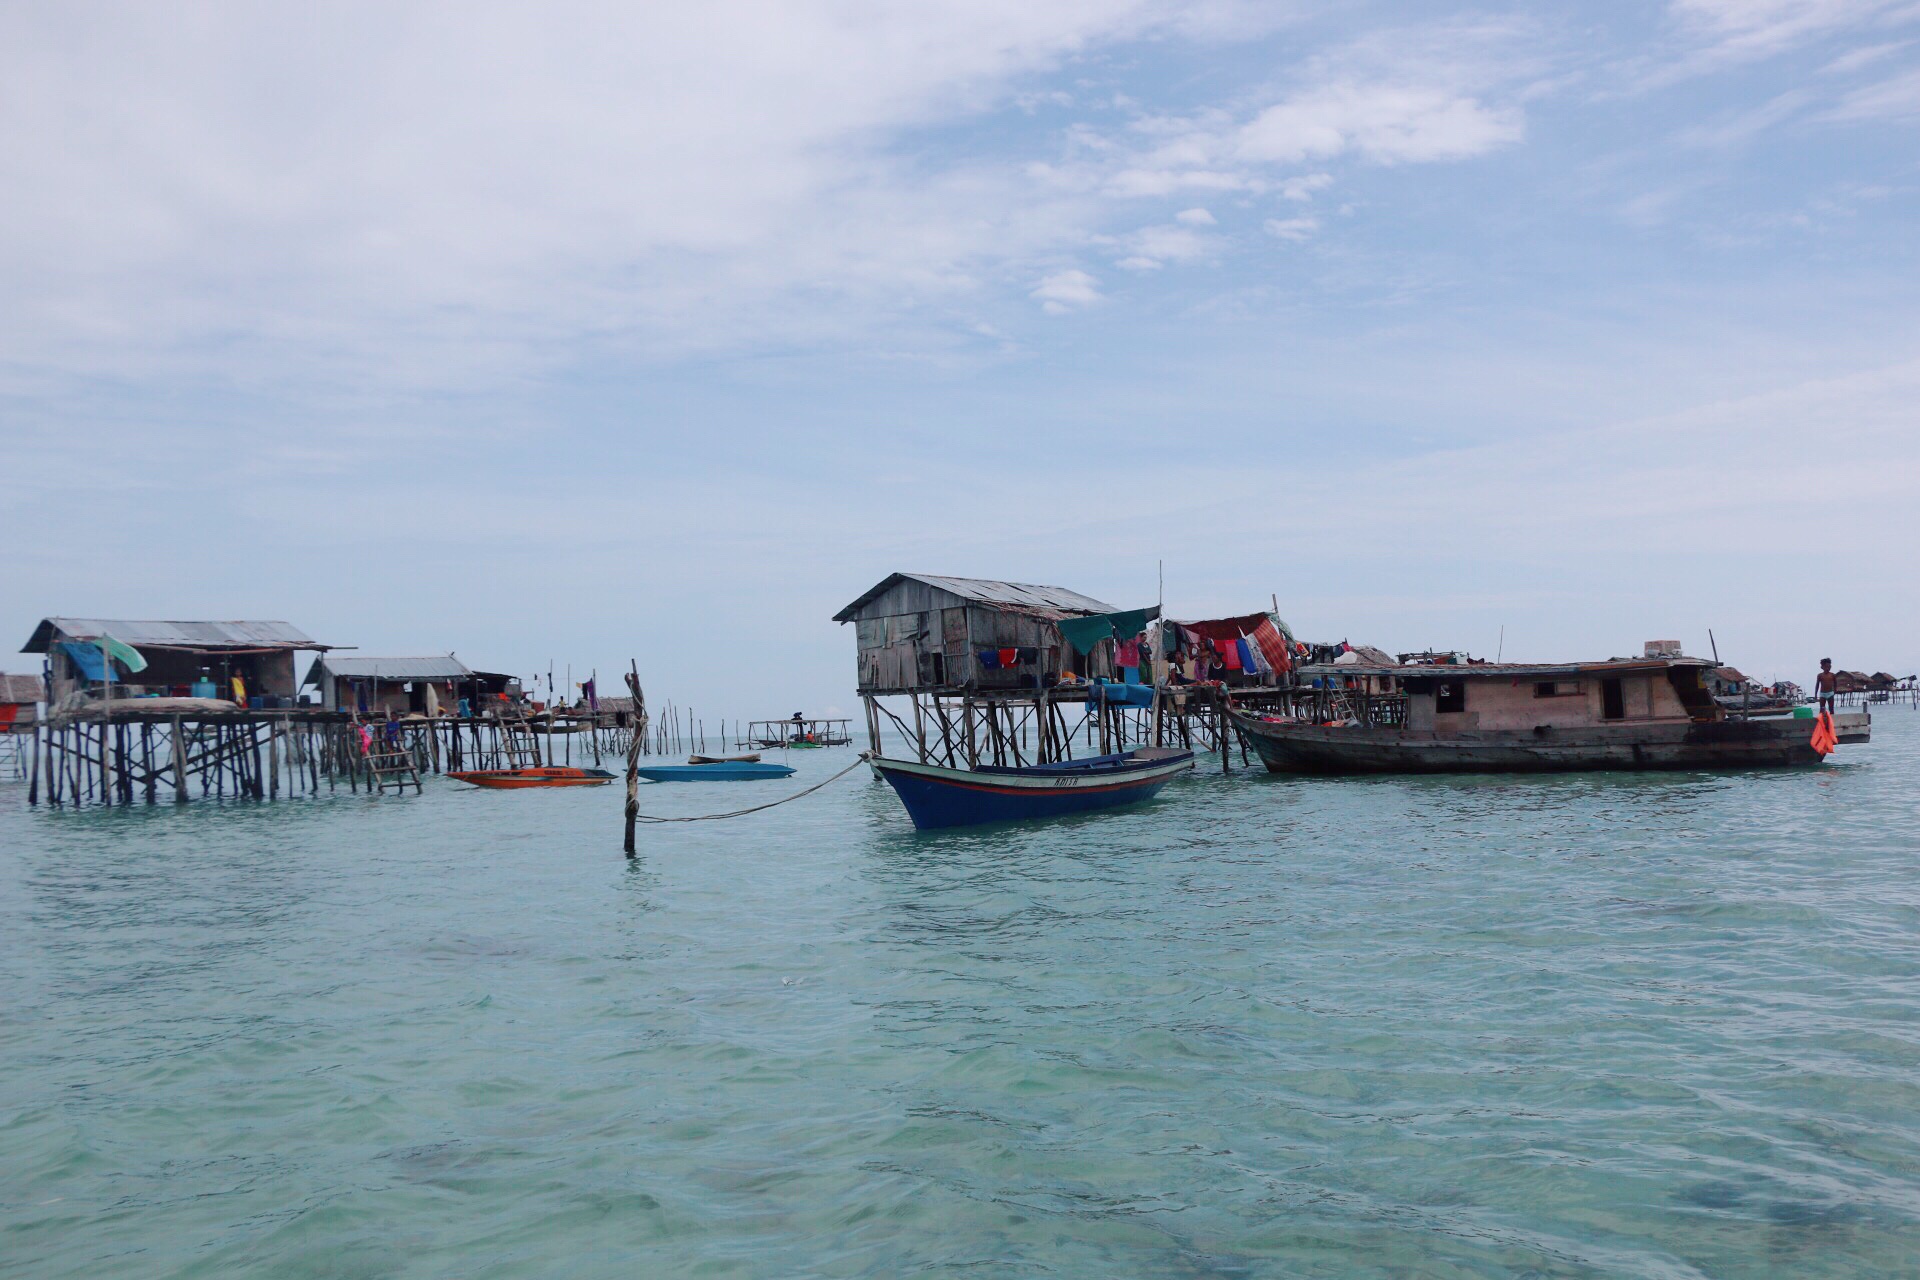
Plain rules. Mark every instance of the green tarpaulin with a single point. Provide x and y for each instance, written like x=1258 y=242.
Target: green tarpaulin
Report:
x=1084 y=633
x=125 y=654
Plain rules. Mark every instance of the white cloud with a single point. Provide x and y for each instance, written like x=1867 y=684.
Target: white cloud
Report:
x=1388 y=123
x=1865 y=55
x=1734 y=31
x=1196 y=218
x=1895 y=98
x=1302 y=188
x=1292 y=228
x=430 y=196
x=1140 y=181
x=1168 y=244
x=1420 y=94
x=1064 y=291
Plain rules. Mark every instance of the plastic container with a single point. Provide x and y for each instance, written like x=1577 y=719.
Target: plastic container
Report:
x=204 y=689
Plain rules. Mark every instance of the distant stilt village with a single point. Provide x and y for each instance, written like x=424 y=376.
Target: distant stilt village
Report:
x=974 y=676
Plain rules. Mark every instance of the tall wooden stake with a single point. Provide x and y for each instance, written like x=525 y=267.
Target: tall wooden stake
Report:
x=633 y=756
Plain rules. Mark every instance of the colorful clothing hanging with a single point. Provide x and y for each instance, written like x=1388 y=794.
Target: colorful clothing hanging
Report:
x=1273 y=647
x=1009 y=657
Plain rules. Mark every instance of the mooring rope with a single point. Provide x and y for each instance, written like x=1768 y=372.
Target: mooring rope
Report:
x=771 y=804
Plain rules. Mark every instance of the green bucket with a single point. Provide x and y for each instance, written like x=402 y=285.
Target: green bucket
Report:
x=1803 y=713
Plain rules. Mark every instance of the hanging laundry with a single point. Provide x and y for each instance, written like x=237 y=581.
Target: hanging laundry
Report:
x=1229 y=651
x=989 y=659
x=1273 y=647
x=1084 y=633
x=1028 y=655
x=1009 y=657
x=1128 y=653
x=1244 y=652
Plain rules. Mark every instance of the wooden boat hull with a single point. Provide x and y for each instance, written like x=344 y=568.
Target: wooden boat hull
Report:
x=939 y=797
x=1767 y=742
x=517 y=779
x=729 y=771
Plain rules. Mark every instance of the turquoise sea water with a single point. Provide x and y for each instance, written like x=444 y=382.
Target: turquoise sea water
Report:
x=1650 y=1026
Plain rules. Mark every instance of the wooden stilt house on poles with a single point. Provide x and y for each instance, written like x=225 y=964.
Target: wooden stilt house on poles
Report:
x=982 y=664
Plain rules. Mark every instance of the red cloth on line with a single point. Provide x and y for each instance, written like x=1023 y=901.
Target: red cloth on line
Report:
x=1229 y=651
x=1128 y=654
x=1214 y=630
x=1009 y=658
x=1273 y=646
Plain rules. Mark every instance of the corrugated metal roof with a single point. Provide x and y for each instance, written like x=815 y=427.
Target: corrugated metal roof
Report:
x=22 y=689
x=438 y=667
x=1022 y=595
x=193 y=635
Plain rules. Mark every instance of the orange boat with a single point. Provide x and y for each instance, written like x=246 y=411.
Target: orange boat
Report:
x=509 y=778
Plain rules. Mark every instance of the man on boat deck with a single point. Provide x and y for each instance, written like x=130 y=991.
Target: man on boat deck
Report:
x=1825 y=686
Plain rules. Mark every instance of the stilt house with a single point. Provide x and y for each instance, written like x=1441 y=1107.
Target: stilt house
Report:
x=430 y=686
x=20 y=698
x=921 y=633
x=246 y=659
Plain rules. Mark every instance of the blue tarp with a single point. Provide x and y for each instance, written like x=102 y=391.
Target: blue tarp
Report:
x=1132 y=695
x=86 y=656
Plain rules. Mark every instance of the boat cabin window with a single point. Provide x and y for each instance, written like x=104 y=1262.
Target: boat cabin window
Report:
x=1556 y=688
x=1450 y=695
x=1613 y=703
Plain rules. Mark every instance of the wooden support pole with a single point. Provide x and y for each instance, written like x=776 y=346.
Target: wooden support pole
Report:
x=106 y=760
x=633 y=761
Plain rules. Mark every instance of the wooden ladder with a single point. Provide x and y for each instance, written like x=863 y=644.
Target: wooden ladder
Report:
x=518 y=742
x=389 y=764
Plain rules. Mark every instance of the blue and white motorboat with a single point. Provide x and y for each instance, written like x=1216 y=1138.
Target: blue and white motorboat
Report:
x=941 y=797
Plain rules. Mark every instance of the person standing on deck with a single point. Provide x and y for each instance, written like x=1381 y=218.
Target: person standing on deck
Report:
x=1825 y=686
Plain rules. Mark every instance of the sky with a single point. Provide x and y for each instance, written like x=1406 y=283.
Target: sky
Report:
x=582 y=333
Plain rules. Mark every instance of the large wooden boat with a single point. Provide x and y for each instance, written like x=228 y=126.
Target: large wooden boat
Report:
x=936 y=796
x=1623 y=714
x=514 y=779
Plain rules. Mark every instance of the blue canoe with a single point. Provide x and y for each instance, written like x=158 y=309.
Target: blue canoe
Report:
x=720 y=771
x=940 y=797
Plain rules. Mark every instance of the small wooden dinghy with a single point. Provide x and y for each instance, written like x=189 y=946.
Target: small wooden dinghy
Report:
x=713 y=771
x=751 y=757
x=504 y=779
